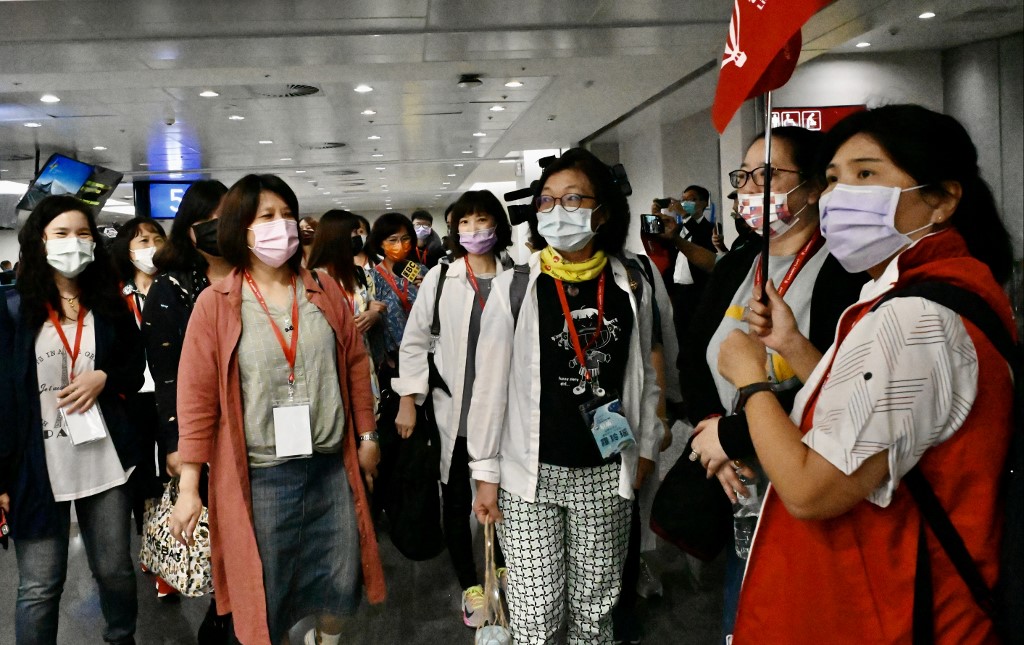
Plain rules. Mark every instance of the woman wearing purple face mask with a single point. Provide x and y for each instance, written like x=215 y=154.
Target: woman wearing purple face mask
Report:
x=481 y=231
x=908 y=392
x=812 y=282
x=274 y=393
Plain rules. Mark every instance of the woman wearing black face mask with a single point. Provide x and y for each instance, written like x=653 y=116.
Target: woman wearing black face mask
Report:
x=188 y=262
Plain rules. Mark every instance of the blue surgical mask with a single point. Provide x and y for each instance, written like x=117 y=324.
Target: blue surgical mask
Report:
x=689 y=207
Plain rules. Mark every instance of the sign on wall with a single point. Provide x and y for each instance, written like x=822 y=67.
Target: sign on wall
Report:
x=817 y=118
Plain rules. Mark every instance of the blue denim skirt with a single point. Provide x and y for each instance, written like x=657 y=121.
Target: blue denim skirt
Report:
x=308 y=540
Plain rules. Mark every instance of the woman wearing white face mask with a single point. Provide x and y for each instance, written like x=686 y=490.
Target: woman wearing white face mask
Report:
x=71 y=353
x=895 y=405
x=811 y=281
x=274 y=393
x=558 y=479
x=482 y=229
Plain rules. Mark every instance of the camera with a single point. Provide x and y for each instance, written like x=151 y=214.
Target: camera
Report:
x=651 y=224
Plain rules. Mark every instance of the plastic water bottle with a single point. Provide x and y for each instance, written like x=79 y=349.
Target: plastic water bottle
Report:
x=744 y=517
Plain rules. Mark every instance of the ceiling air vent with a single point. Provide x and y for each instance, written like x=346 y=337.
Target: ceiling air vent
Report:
x=341 y=172
x=326 y=145
x=285 y=91
x=16 y=157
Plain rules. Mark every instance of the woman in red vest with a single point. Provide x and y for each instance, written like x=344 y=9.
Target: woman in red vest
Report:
x=840 y=541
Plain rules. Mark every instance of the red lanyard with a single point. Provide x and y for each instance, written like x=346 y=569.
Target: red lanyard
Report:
x=476 y=287
x=289 y=351
x=403 y=294
x=806 y=253
x=421 y=257
x=64 y=339
x=133 y=304
x=581 y=352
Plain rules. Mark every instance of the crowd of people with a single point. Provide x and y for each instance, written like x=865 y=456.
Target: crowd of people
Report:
x=262 y=362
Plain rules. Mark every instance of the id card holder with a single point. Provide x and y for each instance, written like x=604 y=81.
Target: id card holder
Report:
x=293 y=434
x=84 y=427
x=609 y=427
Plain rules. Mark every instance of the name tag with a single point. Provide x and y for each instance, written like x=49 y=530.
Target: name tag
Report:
x=85 y=427
x=610 y=429
x=293 y=435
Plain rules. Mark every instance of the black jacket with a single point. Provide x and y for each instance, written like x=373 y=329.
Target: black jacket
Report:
x=834 y=290
x=23 y=472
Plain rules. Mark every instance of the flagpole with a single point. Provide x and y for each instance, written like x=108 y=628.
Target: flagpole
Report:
x=766 y=204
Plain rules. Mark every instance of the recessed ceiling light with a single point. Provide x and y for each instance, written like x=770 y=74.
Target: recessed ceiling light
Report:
x=383 y=185
x=863 y=45
x=927 y=15
x=513 y=84
x=265 y=142
x=363 y=89
x=286 y=158
x=497 y=108
x=373 y=137
x=208 y=94
x=33 y=124
x=446 y=183
x=467 y=152
x=327 y=192
x=300 y=172
x=368 y=112
x=436 y=195
x=175 y=175
x=309 y=181
x=236 y=117
x=479 y=134
x=507 y=160
x=49 y=98
x=377 y=155
x=452 y=175
x=381 y=168
x=144 y=165
x=99 y=148
x=459 y=165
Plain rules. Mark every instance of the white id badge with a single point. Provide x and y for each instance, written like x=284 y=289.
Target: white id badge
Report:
x=293 y=434
x=85 y=427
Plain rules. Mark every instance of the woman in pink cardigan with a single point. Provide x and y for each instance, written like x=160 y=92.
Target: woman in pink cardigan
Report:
x=277 y=416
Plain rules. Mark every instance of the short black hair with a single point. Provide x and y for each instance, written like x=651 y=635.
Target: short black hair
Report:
x=701 y=191
x=238 y=211
x=611 y=236
x=423 y=215
x=120 y=252
x=805 y=146
x=387 y=225
x=478 y=201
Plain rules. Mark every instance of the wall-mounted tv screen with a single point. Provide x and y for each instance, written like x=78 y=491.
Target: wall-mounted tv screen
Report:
x=62 y=175
x=159 y=199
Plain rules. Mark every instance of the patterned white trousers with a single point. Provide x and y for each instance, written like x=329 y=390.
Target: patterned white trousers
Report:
x=567 y=548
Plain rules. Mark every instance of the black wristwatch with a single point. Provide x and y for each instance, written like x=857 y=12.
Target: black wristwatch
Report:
x=749 y=390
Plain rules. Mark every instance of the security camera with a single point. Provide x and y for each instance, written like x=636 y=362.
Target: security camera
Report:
x=169 y=120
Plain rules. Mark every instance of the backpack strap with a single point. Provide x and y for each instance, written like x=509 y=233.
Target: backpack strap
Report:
x=517 y=290
x=974 y=308
x=434 y=378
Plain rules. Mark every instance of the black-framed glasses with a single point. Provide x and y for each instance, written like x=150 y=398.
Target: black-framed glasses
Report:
x=570 y=202
x=738 y=178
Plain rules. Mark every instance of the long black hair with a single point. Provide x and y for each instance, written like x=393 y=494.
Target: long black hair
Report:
x=98 y=288
x=197 y=205
x=610 y=237
x=934 y=148
x=120 y=251
x=332 y=248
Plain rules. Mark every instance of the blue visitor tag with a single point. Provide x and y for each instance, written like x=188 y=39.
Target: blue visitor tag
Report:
x=610 y=429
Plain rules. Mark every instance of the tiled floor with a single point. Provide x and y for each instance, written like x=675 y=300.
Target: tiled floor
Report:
x=422 y=605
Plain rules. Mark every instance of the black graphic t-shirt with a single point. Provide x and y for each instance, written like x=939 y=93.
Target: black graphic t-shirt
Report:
x=565 y=439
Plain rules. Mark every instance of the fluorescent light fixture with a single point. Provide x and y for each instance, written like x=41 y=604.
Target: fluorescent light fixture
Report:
x=377 y=155
x=927 y=15
x=479 y=134
x=49 y=98
x=862 y=45
x=467 y=152
x=381 y=168
x=99 y=148
x=452 y=175
x=507 y=160
x=373 y=137
x=236 y=117
x=286 y=158
x=363 y=89
x=497 y=108
x=327 y=192
x=265 y=142
x=368 y=112
x=33 y=124
x=208 y=94
x=300 y=172
x=514 y=84
x=459 y=165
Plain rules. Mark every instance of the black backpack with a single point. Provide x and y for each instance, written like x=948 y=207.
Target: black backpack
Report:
x=1004 y=604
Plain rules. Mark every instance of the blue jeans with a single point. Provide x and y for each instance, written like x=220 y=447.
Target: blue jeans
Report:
x=43 y=566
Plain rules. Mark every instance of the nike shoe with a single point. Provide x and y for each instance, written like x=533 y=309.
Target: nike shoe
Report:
x=473 y=606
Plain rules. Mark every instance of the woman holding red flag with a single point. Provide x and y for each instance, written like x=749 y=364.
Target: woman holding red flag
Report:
x=843 y=553
x=287 y=428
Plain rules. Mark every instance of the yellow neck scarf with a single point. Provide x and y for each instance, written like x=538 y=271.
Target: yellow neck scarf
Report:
x=553 y=264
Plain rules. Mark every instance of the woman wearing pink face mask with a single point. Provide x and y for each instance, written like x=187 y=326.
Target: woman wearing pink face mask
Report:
x=274 y=393
x=480 y=231
x=811 y=281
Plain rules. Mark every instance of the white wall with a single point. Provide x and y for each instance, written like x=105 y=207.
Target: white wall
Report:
x=690 y=155
x=9 y=245
x=640 y=151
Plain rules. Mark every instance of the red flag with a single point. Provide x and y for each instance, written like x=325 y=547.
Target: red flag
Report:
x=761 y=53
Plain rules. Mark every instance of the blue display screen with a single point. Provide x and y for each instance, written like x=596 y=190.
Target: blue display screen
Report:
x=165 y=198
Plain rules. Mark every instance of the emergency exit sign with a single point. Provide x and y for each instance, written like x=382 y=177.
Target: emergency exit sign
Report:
x=817 y=118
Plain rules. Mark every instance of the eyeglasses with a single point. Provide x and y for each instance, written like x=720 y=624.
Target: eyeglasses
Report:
x=570 y=202
x=738 y=178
